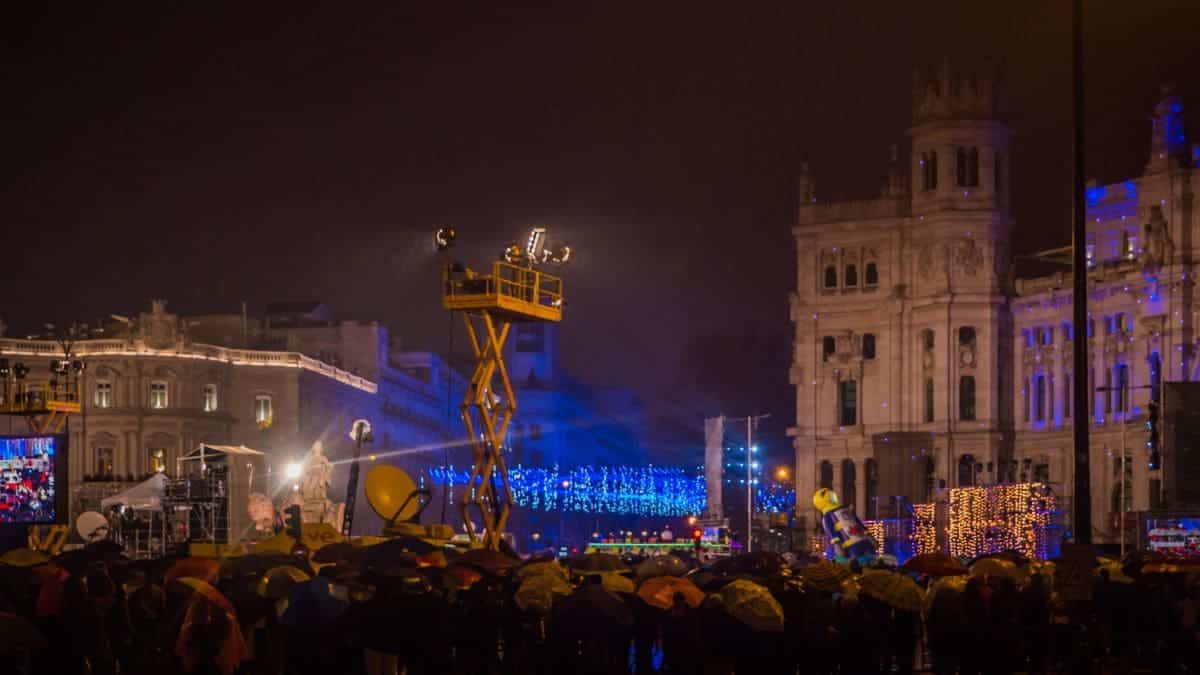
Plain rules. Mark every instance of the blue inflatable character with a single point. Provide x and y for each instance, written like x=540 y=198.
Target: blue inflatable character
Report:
x=844 y=529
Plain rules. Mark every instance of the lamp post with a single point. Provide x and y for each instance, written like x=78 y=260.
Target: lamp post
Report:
x=1079 y=271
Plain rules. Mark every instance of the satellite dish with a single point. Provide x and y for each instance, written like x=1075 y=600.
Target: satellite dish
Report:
x=390 y=492
x=91 y=526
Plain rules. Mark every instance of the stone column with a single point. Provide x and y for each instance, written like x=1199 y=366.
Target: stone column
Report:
x=806 y=482
x=860 y=487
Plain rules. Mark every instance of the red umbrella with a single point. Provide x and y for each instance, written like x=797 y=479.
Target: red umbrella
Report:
x=197 y=568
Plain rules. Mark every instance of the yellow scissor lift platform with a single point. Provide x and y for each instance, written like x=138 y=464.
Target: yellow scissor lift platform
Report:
x=44 y=407
x=511 y=293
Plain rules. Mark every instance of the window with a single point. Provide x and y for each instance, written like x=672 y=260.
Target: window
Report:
x=1027 y=336
x=1122 y=492
x=1091 y=328
x=931 y=171
x=966 y=336
x=828 y=347
x=1028 y=399
x=831 y=277
x=263 y=414
x=851 y=276
x=998 y=173
x=1122 y=387
x=1067 y=333
x=158 y=395
x=872 y=278
x=210 y=398
x=871 y=469
x=104 y=395
x=927 y=340
x=1090 y=254
x=104 y=462
x=535 y=432
x=869 y=346
x=930 y=481
x=966 y=397
x=960 y=167
x=827 y=475
x=849 y=485
x=847 y=403
x=966 y=471
x=1047 y=335
x=973 y=167
x=1119 y=325
x=1041 y=472
x=1129 y=245
x=1068 y=402
x=929 y=399
x=158 y=460
x=1039 y=398
x=1108 y=391
x=1155 y=378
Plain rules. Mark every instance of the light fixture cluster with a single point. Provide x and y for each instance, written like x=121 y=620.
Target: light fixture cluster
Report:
x=997 y=518
x=924 y=530
x=622 y=490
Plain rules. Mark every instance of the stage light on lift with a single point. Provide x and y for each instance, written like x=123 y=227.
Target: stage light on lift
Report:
x=513 y=255
x=444 y=238
x=537 y=244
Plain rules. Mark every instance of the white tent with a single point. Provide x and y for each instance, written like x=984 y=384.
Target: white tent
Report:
x=145 y=496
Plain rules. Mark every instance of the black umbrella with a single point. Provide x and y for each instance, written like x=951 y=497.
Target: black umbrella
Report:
x=588 y=611
x=256 y=564
x=759 y=564
x=597 y=562
x=1010 y=555
x=400 y=550
x=340 y=552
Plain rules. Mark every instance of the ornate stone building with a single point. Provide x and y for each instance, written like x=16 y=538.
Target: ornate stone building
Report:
x=921 y=363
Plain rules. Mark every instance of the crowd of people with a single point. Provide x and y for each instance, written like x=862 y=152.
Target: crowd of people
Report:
x=400 y=607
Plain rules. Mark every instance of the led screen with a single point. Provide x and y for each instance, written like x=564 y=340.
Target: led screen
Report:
x=29 y=479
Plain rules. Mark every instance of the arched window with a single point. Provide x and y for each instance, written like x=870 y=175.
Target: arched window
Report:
x=966 y=471
x=871 y=487
x=960 y=167
x=849 y=485
x=851 y=276
x=831 y=277
x=872 y=277
x=158 y=394
x=966 y=397
x=827 y=475
x=973 y=167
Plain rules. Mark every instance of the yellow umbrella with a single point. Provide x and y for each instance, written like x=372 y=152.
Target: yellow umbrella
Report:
x=1115 y=572
x=890 y=588
x=825 y=576
x=753 y=605
x=538 y=592
x=995 y=568
x=614 y=582
x=542 y=568
x=24 y=557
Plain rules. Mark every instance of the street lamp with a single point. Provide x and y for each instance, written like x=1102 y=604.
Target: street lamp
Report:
x=782 y=474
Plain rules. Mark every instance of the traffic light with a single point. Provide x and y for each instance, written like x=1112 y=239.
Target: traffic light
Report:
x=1152 y=441
x=291 y=522
x=697 y=535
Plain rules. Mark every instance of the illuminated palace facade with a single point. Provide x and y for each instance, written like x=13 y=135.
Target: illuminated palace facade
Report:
x=921 y=363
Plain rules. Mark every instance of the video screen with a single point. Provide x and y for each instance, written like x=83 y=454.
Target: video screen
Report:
x=27 y=479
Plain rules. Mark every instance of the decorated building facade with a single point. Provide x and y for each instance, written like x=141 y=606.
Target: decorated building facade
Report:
x=922 y=362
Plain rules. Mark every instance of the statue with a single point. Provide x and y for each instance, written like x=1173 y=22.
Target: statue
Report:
x=313 y=497
x=1156 y=240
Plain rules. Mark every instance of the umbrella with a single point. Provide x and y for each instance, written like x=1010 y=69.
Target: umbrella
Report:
x=538 y=593
x=257 y=564
x=1115 y=573
x=1014 y=557
x=399 y=550
x=1172 y=566
x=661 y=566
x=935 y=565
x=198 y=568
x=890 y=588
x=753 y=605
x=340 y=552
x=461 y=576
x=588 y=610
x=615 y=582
x=596 y=562
x=946 y=593
x=312 y=605
x=493 y=562
x=996 y=567
x=106 y=548
x=825 y=576
x=277 y=583
x=24 y=557
x=432 y=559
x=76 y=561
x=759 y=563
x=18 y=634
x=199 y=588
x=660 y=592
x=542 y=568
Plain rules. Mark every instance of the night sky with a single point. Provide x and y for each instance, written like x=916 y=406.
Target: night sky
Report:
x=211 y=154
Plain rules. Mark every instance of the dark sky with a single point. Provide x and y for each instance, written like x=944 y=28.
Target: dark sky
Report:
x=210 y=153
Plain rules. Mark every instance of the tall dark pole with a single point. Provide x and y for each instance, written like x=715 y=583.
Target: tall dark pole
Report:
x=1080 y=391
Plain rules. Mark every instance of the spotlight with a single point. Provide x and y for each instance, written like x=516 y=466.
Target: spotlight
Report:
x=513 y=254
x=5 y=368
x=444 y=238
x=78 y=366
x=561 y=254
x=293 y=470
x=537 y=244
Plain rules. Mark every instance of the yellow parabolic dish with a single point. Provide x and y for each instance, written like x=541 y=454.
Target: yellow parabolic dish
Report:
x=387 y=487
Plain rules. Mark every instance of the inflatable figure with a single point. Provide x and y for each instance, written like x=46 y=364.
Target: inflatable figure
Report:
x=844 y=529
